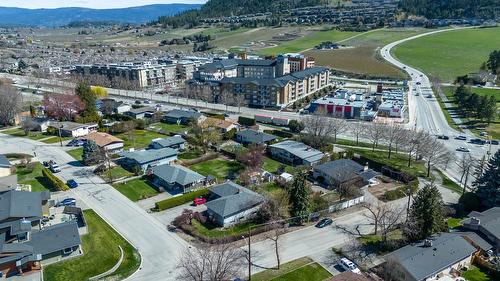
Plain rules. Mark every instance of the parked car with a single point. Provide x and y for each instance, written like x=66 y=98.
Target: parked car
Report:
x=477 y=141
x=72 y=184
x=463 y=149
x=199 y=201
x=67 y=202
x=76 y=142
x=46 y=164
x=147 y=101
x=461 y=138
x=495 y=142
x=55 y=168
x=443 y=137
x=324 y=222
x=137 y=102
x=483 y=134
x=348 y=265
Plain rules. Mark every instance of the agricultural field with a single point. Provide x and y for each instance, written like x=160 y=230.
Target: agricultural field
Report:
x=450 y=54
x=361 y=54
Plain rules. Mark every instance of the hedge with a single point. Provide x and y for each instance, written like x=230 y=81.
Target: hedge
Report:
x=56 y=182
x=279 y=133
x=245 y=121
x=179 y=200
x=400 y=192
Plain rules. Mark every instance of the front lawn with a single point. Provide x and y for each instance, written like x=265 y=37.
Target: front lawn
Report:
x=101 y=253
x=117 y=172
x=138 y=138
x=172 y=128
x=32 y=174
x=219 y=168
x=272 y=165
x=373 y=243
x=303 y=269
x=210 y=230
x=475 y=274
x=20 y=133
x=55 y=139
x=136 y=189
x=76 y=153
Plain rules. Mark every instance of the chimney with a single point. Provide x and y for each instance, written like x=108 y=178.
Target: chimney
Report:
x=365 y=168
x=475 y=221
x=427 y=243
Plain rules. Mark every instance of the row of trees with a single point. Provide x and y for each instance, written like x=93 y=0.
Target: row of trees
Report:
x=10 y=102
x=474 y=105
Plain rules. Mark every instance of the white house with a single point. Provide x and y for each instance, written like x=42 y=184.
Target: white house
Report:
x=72 y=129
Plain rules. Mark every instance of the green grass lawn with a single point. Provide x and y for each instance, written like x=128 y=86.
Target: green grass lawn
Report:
x=303 y=269
x=272 y=165
x=475 y=274
x=219 y=168
x=373 y=243
x=173 y=128
x=20 y=133
x=190 y=154
x=76 y=153
x=213 y=231
x=101 y=252
x=136 y=189
x=454 y=222
x=138 y=138
x=117 y=172
x=307 y=42
x=450 y=54
x=32 y=177
x=451 y=185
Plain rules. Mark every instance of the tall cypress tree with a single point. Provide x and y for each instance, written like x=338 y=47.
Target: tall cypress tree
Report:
x=487 y=186
x=426 y=214
x=84 y=92
x=299 y=197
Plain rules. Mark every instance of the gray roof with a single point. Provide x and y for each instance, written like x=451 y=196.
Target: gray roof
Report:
x=255 y=136
x=300 y=150
x=55 y=238
x=489 y=220
x=233 y=203
x=20 y=204
x=4 y=162
x=143 y=109
x=243 y=62
x=225 y=189
x=341 y=170
x=476 y=240
x=70 y=126
x=421 y=262
x=176 y=174
x=150 y=155
x=279 y=81
x=178 y=114
x=8 y=182
x=168 y=142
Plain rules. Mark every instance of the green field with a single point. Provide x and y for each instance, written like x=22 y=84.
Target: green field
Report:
x=306 y=42
x=138 y=139
x=100 y=253
x=33 y=177
x=303 y=269
x=450 y=54
x=219 y=168
x=272 y=165
x=136 y=189
x=76 y=153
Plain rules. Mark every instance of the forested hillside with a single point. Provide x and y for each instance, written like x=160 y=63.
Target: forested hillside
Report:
x=452 y=9
x=218 y=8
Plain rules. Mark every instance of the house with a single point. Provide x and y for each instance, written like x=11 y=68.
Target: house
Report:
x=432 y=258
x=5 y=166
x=232 y=204
x=141 y=112
x=349 y=276
x=254 y=137
x=176 y=178
x=73 y=129
x=487 y=224
x=148 y=158
x=178 y=116
x=106 y=141
x=110 y=106
x=295 y=153
x=175 y=142
x=23 y=242
x=343 y=172
x=223 y=125
x=8 y=183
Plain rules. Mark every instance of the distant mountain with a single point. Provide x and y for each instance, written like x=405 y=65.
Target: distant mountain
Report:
x=64 y=16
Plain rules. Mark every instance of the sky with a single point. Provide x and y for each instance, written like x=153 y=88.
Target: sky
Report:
x=96 y=4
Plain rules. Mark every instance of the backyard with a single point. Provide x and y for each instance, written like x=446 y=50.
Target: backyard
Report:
x=101 y=252
x=136 y=189
x=450 y=54
x=303 y=269
x=219 y=168
x=138 y=139
x=172 y=128
x=272 y=165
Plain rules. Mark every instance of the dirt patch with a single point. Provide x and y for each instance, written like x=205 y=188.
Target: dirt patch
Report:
x=384 y=186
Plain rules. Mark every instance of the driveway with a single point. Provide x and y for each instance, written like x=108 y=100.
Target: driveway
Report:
x=167 y=216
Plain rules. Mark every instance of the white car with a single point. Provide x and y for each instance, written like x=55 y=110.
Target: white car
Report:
x=55 y=168
x=463 y=149
x=348 y=265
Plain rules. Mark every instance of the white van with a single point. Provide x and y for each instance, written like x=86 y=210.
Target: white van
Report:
x=348 y=265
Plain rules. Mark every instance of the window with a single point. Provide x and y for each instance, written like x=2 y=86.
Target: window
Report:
x=68 y=251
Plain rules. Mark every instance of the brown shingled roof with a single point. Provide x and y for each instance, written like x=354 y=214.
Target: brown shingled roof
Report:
x=102 y=139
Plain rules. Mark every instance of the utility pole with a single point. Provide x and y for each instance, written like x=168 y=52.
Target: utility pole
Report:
x=249 y=255
x=60 y=138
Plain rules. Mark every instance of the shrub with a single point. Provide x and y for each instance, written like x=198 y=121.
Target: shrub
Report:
x=469 y=202
x=400 y=192
x=140 y=124
x=179 y=200
x=245 y=121
x=56 y=182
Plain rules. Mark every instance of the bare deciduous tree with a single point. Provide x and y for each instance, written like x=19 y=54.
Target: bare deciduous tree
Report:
x=317 y=129
x=435 y=154
x=384 y=217
x=210 y=263
x=338 y=126
x=465 y=164
x=375 y=132
x=392 y=135
x=357 y=129
x=10 y=103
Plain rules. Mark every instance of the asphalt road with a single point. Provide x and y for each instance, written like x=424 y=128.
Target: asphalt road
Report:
x=159 y=248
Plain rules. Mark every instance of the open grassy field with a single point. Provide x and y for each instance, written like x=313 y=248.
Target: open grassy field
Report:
x=362 y=56
x=101 y=252
x=307 y=42
x=450 y=54
x=136 y=189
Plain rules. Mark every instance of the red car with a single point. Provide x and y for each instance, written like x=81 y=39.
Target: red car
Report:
x=199 y=201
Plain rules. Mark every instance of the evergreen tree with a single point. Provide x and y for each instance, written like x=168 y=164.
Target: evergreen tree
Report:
x=487 y=186
x=92 y=154
x=299 y=197
x=84 y=92
x=494 y=61
x=426 y=215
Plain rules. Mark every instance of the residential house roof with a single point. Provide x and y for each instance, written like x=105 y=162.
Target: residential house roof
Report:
x=254 y=136
x=4 y=162
x=235 y=199
x=421 y=261
x=349 y=276
x=219 y=123
x=143 y=109
x=55 y=238
x=300 y=150
x=178 y=114
x=20 y=204
x=489 y=220
x=8 y=182
x=170 y=141
x=340 y=170
x=475 y=240
x=70 y=126
x=176 y=174
x=150 y=155
x=102 y=139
